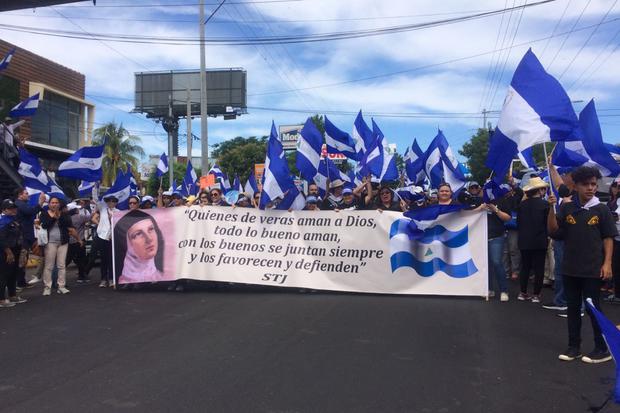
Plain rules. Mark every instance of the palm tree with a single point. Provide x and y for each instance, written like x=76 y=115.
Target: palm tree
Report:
x=121 y=148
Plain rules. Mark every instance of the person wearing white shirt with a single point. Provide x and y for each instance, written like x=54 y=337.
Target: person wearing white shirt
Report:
x=104 y=232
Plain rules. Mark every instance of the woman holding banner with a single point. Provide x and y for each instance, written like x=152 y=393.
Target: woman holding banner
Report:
x=138 y=248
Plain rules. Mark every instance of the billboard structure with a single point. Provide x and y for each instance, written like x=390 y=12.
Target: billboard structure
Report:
x=226 y=89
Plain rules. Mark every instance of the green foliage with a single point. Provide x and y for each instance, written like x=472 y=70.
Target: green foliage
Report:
x=319 y=122
x=152 y=184
x=476 y=153
x=238 y=156
x=121 y=148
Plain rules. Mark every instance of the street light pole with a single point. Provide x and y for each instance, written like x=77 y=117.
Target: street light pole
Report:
x=204 y=135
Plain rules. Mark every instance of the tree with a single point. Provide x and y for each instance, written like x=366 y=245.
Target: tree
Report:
x=121 y=148
x=476 y=151
x=238 y=155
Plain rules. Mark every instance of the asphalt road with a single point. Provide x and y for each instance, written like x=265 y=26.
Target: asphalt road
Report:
x=251 y=349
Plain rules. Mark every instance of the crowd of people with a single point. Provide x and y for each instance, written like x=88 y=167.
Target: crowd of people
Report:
x=533 y=235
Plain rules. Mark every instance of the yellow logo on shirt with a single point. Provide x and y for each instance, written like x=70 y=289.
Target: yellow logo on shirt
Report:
x=570 y=220
x=593 y=220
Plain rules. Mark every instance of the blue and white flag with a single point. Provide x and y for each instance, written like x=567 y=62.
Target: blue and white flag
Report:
x=328 y=171
x=175 y=189
x=362 y=135
x=27 y=107
x=84 y=164
x=86 y=188
x=237 y=184
x=414 y=164
x=612 y=337
x=526 y=157
x=251 y=187
x=309 y=150
x=293 y=200
x=614 y=151
x=441 y=165
x=492 y=191
x=188 y=186
x=162 y=165
x=220 y=177
x=276 y=177
x=35 y=179
x=55 y=189
x=338 y=141
x=377 y=160
x=590 y=150
x=424 y=242
x=6 y=60
x=133 y=185
x=411 y=193
x=121 y=189
x=536 y=110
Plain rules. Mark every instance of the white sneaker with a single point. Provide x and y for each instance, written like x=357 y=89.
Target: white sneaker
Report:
x=504 y=297
x=63 y=290
x=35 y=280
x=103 y=284
x=47 y=291
x=491 y=294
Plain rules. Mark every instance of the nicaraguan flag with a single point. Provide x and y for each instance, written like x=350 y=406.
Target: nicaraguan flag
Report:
x=441 y=165
x=293 y=200
x=188 y=186
x=309 y=150
x=338 y=141
x=162 y=165
x=237 y=184
x=251 y=187
x=492 y=191
x=86 y=188
x=220 y=177
x=526 y=157
x=414 y=164
x=377 y=160
x=612 y=337
x=428 y=247
x=362 y=135
x=26 y=108
x=590 y=150
x=84 y=164
x=328 y=171
x=35 y=179
x=6 y=60
x=276 y=178
x=55 y=189
x=410 y=193
x=614 y=151
x=121 y=189
x=536 y=110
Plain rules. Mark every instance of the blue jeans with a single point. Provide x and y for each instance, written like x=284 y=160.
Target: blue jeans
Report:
x=496 y=265
x=558 y=253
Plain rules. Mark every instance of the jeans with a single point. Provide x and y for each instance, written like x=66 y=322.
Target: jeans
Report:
x=578 y=289
x=496 y=266
x=558 y=286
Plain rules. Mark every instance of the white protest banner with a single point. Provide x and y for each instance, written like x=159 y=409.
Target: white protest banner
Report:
x=357 y=251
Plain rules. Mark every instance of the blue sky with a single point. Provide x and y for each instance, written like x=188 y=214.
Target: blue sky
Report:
x=440 y=77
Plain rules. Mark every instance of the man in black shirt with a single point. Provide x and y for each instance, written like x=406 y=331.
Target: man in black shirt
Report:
x=587 y=228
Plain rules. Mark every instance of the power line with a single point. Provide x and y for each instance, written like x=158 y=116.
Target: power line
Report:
x=568 y=35
x=230 y=41
x=557 y=24
x=576 y=81
x=175 y=4
x=423 y=67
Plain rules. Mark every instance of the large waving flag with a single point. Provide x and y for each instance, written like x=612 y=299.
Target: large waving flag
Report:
x=86 y=188
x=121 y=189
x=414 y=164
x=309 y=150
x=526 y=157
x=55 y=189
x=251 y=187
x=427 y=246
x=362 y=135
x=328 y=170
x=338 y=141
x=377 y=160
x=277 y=177
x=536 y=110
x=441 y=165
x=35 y=179
x=188 y=186
x=492 y=191
x=590 y=150
x=162 y=165
x=4 y=63
x=612 y=337
x=84 y=164
x=27 y=107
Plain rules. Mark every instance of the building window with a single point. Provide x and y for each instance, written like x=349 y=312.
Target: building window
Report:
x=57 y=122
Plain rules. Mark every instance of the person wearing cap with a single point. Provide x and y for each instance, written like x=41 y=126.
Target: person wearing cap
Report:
x=26 y=214
x=216 y=197
x=475 y=191
x=311 y=203
x=147 y=202
x=244 y=201
x=10 y=249
x=348 y=200
x=104 y=234
x=59 y=228
x=587 y=228
x=163 y=198
x=533 y=239
x=334 y=199
x=77 y=249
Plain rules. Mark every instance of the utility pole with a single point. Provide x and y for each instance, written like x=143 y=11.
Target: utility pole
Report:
x=484 y=118
x=189 y=125
x=204 y=135
x=169 y=126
